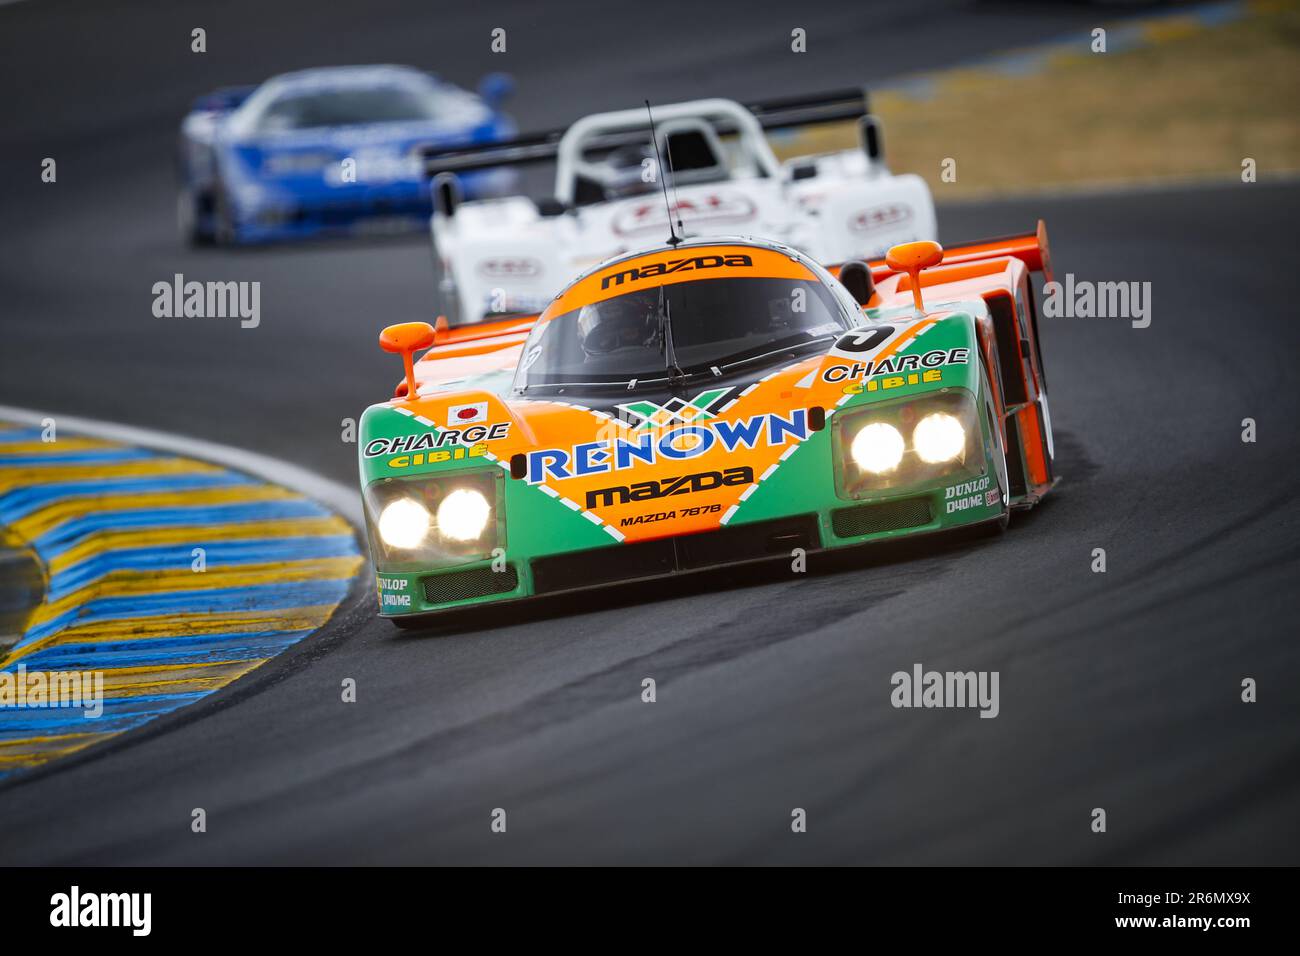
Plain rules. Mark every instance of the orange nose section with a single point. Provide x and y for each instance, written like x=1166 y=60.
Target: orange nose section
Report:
x=912 y=257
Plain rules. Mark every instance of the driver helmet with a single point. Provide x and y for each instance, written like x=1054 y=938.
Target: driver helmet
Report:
x=625 y=168
x=618 y=323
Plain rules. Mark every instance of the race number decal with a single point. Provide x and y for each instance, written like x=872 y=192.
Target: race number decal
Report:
x=863 y=343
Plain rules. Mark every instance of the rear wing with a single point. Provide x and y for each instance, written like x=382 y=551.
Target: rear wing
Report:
x=1031 y=248
x=540 y=147
x=792 y=112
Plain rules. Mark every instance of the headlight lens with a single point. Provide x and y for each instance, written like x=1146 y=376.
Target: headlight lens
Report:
x=910 y=444
x=288 y=164
x=404 y=523
x=938 y=437
x=463 y=515
x=877 y=448
x=436 y=521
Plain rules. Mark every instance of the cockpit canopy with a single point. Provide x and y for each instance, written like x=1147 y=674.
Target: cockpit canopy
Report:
x=691 y=146
x=684 y=312
x=610 y=155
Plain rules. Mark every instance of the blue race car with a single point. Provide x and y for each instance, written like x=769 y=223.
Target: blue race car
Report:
x=329 y=150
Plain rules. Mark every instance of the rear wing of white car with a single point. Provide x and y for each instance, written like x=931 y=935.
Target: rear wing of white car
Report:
x=614 y=130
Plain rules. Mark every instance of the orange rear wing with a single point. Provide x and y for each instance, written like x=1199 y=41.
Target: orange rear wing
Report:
x=1030 y=248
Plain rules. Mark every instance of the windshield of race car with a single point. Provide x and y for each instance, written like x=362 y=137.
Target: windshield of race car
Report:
x=313 y=109
x=705 y=327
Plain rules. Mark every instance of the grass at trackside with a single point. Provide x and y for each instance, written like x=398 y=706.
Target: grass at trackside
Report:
x=1195 y=104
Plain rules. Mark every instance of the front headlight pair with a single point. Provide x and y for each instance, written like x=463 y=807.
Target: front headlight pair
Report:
x=431 y=521
x=878 y=447
x=462 y=515
x=894 y=447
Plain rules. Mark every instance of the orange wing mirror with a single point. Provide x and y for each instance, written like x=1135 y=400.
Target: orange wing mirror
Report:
x=912 y=257
x=407 y=338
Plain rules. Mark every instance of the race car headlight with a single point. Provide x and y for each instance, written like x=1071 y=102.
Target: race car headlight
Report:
x=877 y=448
x=404 y=523
x=462 y=515
x=434 y=521
x=910 y=444
x=292 y=164
x=938 y=437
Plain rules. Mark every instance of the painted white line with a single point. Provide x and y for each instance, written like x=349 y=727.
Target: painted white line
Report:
x=342 y=499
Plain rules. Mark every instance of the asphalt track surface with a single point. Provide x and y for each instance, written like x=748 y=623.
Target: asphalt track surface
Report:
x=1118 y=690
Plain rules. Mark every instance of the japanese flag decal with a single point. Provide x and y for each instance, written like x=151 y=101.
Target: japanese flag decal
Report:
x=467 y=414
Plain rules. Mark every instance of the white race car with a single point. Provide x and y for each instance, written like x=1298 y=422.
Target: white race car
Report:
x=510 y=256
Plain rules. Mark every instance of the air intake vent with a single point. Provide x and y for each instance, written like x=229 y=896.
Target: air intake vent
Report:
x=873 y=519
x=1003 y=312
x=476 y=582
x=690 y=552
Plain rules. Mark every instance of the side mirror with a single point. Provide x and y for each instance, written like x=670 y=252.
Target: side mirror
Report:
x=447 y=194
x=870 y=139
x=548 y=207
x=856 y=277
x=912 y=257
x=408 y=338
x=496 y=88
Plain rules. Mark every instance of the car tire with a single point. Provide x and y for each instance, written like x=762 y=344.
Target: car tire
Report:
x=223 y=227
x=187 y=220
x=998 y=526
x=408 y=623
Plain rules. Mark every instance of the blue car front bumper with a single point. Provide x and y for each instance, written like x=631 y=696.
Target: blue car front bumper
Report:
x=277 y=213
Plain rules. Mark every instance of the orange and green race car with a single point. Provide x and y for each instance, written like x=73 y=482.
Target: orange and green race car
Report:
x=704 y=403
